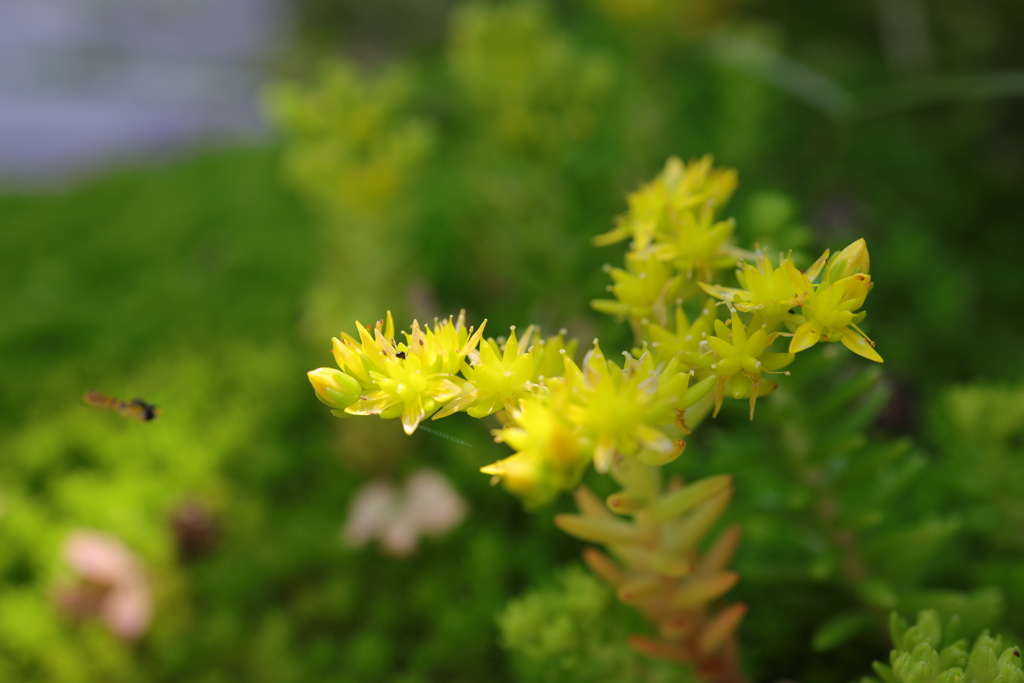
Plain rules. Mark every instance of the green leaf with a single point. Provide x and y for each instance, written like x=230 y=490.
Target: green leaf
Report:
x=840 y=629
x=884 y=672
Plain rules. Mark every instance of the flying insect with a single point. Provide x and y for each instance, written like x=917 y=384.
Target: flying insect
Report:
x=136 y=409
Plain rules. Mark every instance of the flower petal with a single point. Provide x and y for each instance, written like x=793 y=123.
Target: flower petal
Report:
x=413 y=414
x=860 y=346
x=806 y=336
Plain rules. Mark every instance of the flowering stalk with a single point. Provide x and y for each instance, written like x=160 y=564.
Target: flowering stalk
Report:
x=559 y=416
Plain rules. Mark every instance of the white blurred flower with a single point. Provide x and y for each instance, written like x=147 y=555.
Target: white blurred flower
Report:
x=426 y=506
x=369 y=513
x=111 y=584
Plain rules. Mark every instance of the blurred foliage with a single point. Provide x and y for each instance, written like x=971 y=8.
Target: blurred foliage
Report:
x=184 y=286
x=353 y=153
x=525 y=82
x=574 y=631
x=979 y=431
x=841 y=522
x=193 y=287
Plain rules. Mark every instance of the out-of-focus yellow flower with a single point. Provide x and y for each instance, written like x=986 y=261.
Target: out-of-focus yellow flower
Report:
x=655 y=208
x=619 y=409
x=549 y=356
x=673 y=219
x=534 y=87
x=666 y=344
x=551 y=453
x=353 y=146
x=701 y=245
x=641 y=291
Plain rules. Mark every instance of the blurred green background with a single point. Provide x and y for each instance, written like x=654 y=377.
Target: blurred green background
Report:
x=462 y=157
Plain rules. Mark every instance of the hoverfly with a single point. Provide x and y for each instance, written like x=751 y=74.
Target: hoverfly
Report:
x=136 y=409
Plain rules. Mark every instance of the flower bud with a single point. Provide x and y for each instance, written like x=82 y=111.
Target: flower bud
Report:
x=850 y=261
x=334 y=388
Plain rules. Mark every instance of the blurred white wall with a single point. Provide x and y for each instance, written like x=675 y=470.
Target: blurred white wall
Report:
x=86 y=82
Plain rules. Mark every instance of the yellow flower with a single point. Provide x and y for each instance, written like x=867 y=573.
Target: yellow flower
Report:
x=764 y=288
x=410 y=379
x=736 y=352
x=548 y=356
x=551 y=454
x=666 y=344
x=830 y=309
x=408 y=388
x=699 y=243
x=497 y=379
x=655 y=208
x=641 y=290
x=619 y=409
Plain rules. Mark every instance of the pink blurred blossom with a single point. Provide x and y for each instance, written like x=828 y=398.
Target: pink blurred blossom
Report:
x=110 y=584
x=426 y=506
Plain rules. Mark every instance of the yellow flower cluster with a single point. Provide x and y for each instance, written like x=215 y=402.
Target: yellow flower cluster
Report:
x=828 y=310
x=678 y=241
x=411 y=379
x=559 y=416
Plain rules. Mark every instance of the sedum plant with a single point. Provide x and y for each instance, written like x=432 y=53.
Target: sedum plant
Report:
x=846 y=518
x=702 y=334
x=932 y=650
